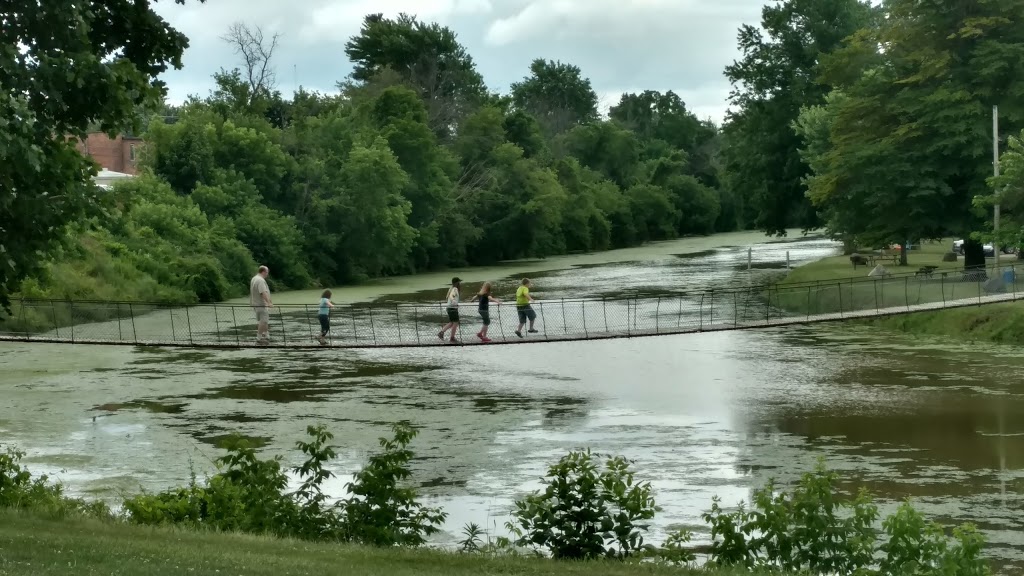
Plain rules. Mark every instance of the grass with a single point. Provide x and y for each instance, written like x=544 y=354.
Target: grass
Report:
x=999 y=323
x=840 y=268
x=818 y=288
x=38 y=545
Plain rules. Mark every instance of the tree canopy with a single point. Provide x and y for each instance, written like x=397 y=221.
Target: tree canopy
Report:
x=66 y=66
x=872 y=123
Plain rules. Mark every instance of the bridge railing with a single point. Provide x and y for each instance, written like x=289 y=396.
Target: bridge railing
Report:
x=417 y=324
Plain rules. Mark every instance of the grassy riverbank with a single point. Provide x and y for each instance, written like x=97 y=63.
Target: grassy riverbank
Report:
x=999 y=323
x=37 y=545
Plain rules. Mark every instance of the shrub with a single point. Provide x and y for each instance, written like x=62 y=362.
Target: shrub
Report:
x=380 y=511
x=249 y=495
x=19 y=490
x=815 y=531
x=585 y=513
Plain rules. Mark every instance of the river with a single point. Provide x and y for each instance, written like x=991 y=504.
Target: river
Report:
x=701 y=415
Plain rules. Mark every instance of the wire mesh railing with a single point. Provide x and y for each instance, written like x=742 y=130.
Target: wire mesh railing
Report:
x=380 y=325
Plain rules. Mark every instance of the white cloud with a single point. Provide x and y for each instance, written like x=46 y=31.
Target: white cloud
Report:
x=621 y=45
x=340 y=20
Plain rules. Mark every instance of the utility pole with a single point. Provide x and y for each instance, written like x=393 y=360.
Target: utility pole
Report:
x=995 y=168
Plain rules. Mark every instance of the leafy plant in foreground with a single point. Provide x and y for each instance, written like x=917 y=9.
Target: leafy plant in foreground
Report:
x=380 y=511
x=249 y=495
x=585 y=512
x=18 y=489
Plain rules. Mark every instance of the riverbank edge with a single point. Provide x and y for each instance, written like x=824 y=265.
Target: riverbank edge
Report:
x=992 y=323
x=39 y=544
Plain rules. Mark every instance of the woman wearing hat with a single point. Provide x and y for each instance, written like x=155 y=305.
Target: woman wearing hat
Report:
x=453 y=311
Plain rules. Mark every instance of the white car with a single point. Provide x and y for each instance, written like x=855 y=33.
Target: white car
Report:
x=958 y=247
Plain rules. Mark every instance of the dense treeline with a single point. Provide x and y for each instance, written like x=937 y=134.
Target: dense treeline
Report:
x=412 y=166
x=872 y=122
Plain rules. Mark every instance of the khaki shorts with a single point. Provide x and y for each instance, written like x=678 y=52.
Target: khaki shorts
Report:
x=262 y=314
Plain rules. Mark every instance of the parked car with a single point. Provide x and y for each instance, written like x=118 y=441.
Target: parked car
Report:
x=990 y=251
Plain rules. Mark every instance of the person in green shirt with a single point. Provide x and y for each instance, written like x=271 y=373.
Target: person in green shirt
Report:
x=523 y=307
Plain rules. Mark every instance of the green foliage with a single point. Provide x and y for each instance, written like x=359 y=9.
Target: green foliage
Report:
x=903 y=151
x=19 y=490
x=381 y=511
x=412 y=167
x=588 y=509
x=776 y=76
x=100 y=64
x=557 y=95
x=249 y=495
x=586 y=512
x=814 y=530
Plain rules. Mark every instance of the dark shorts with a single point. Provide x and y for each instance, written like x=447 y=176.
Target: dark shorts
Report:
x=485 y=315
x=526 y=313
x=325 y=323
x=453 y=314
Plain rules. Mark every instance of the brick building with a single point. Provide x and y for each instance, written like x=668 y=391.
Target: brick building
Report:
x=115 y=154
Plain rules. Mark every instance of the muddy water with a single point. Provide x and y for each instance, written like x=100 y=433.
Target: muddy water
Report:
x=702 y=415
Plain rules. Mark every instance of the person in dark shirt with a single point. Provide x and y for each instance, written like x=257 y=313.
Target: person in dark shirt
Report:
x=485 y=298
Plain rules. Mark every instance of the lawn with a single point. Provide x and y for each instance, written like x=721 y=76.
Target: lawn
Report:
x=831 y=286
x=39 y=546
x=930 y=254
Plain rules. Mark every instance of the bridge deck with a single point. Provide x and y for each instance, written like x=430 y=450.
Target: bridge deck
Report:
x=404 y=326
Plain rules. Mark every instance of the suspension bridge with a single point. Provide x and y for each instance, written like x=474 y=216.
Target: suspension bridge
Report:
x=417 y=325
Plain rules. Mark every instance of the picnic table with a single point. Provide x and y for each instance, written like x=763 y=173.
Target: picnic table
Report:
x=884 y=256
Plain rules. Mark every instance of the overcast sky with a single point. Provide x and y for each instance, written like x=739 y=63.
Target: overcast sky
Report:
x=621 y=45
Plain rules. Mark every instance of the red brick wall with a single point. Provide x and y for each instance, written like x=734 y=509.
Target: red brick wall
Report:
x=113 y=154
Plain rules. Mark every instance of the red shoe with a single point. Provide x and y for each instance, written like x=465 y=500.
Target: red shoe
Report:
x=485 y=339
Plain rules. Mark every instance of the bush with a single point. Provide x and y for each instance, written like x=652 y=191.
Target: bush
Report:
x=815 y=531
x=950 y=257
x=584 y=513
x=19 y=490
x=249 y=496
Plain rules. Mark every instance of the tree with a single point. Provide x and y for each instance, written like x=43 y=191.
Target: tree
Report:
x=429 y=57
x=63 y=66
x=557 y=95
x=776 y=76
x=910 y=139
x=256 y=52
x=1008 y=191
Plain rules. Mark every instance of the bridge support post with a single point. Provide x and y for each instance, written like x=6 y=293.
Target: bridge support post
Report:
x=565 y=325
x=416 y=321
x=234 y=323
x=657 y=317
x=309 y=323
x=583 y=311
x=117 y=306
x=700 y=320
x=131 y=313
x=56 y=325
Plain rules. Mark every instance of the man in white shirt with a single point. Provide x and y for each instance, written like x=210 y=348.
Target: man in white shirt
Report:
x=259 y=299
x=453 y=310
